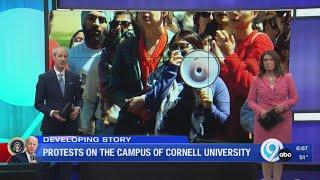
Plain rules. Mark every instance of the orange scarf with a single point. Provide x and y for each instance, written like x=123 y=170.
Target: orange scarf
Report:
x=149 y=63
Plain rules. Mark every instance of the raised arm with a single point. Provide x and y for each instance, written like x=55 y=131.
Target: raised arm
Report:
x=242 y=68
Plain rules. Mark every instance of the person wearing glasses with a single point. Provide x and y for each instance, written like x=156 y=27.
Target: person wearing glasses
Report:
x=241 y=52
x=134 y=61
x=178 y=108
x=121 y=28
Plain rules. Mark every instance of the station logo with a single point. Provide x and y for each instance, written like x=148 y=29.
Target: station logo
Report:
x=270 y=150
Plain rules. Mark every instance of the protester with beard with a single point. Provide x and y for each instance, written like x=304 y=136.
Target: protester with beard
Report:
x=134 y=61
x=83 y=55
x=241 y=52
x=120 y=29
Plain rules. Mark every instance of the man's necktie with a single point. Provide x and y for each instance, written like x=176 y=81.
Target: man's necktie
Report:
x=32 y=157
x=61 y=82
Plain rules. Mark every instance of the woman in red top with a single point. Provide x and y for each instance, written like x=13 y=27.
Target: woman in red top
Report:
x=275 y=90
x=135 y=59
x=241 y=52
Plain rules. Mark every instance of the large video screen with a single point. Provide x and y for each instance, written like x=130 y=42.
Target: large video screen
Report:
x=119 y=56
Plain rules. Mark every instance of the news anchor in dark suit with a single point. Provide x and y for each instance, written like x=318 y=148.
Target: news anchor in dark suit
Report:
x=29 y=155
x=55 y=90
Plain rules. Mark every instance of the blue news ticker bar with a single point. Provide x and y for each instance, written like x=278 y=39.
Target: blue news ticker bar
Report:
x=102 y=152
x=186 y=4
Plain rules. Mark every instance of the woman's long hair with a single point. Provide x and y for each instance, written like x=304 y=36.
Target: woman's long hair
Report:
x=277 y=66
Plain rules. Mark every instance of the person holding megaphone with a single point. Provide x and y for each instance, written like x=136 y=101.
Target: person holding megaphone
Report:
x=178 y=108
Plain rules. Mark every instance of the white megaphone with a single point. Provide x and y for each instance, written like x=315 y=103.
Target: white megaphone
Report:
x=199 y=68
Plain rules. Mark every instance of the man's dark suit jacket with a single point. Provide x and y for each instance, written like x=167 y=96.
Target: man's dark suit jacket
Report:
x=19 y=158
x=49 y=97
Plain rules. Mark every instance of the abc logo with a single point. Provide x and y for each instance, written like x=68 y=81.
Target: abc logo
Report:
x=270 y=150
x=285 y=154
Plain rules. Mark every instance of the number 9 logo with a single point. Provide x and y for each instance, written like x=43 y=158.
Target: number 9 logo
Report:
x=270 y=150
